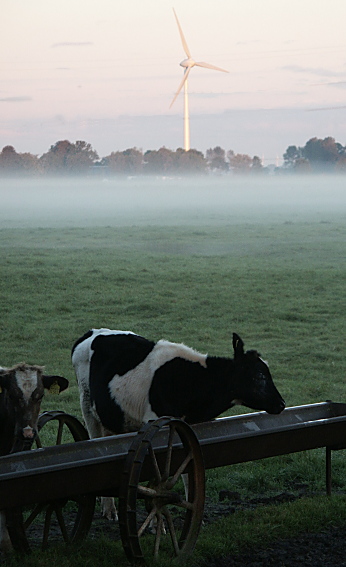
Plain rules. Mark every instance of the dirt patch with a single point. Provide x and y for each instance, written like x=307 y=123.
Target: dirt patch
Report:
x=326 y=549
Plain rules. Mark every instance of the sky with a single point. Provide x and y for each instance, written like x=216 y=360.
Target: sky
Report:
x=106 y=72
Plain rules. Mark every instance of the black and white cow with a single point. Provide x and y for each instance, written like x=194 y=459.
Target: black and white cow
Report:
x=21 y=391
x=126 y=380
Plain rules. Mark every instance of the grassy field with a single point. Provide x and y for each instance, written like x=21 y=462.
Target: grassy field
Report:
x=195 y=276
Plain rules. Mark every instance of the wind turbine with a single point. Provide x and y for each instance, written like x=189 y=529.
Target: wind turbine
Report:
x=187 y=64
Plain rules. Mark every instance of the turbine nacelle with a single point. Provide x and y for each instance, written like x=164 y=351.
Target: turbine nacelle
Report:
x=186 y=63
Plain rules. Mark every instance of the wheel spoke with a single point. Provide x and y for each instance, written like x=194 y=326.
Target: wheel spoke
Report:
x=59 y=435
x=60 y=517
x=185 y=504
x=35 y=512
x=159 y=530
x=147 y=521
x=171 y=528
x=156 y=466
x=179 y=471
x=169 y=453
x=146 y=491
x=47 y=522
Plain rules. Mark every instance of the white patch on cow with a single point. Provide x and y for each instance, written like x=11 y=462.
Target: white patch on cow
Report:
x=27 y=382
x=131 y=391
x=165 y=351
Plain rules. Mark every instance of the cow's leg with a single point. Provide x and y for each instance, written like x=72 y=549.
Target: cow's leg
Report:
x=5 y=542
x=108 y=507
x=92 y=424
x=96 y=430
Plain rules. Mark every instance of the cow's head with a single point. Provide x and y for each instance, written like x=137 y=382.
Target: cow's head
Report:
x=22 y=388
x=256 y=388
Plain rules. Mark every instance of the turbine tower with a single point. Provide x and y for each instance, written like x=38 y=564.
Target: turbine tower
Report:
x=187 y=64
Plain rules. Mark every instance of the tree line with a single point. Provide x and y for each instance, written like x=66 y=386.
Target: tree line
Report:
x=79 y=158
x=316 y=156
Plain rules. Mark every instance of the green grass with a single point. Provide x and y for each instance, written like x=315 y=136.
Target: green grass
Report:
x=280 y=287
x=279 y=284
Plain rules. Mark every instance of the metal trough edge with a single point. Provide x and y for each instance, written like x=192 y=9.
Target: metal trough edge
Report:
x=96 y=465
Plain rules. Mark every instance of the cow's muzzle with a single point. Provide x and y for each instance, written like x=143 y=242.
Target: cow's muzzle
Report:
x=275 y=410
x=28 y=432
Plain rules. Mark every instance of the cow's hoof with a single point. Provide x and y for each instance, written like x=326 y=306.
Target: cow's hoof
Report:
x=153 y=529
x=108 y=509
x=110 y=516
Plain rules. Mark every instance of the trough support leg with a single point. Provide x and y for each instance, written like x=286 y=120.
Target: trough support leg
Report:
x=328 y=471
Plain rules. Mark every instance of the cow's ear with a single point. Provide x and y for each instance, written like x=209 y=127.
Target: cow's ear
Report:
x=55 y=384
x=238 y=346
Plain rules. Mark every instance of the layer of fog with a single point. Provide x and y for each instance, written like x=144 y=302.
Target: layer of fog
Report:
x=124 y=201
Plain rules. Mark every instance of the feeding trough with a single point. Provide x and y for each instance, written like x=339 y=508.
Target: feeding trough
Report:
x=147 y=466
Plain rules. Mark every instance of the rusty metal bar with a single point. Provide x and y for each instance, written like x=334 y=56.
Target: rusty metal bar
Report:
x=96 y=466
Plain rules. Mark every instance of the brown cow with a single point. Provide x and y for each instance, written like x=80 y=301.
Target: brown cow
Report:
x=21 y=391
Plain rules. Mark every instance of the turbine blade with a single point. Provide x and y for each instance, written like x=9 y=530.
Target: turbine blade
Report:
x=183 y=40
x=208 y=66
x=186 y=74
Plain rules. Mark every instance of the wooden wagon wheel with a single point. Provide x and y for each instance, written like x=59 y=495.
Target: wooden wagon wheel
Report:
x=166 y=509
x=69 y=518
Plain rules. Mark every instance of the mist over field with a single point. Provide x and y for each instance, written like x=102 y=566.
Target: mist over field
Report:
x=190 y=261
x=123 y=201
